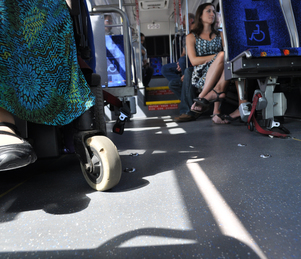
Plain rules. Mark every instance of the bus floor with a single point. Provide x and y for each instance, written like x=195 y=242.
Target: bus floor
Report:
x=189 y=190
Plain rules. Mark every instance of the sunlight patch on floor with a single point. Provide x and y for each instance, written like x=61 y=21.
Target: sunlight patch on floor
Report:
x=195 y=160
x=188 y=151
x=172 y=229
x=143 y=241
x=171 y=124
x=128 y=152
x=228 y=222
x=142 y=129
x=159 y=152
x=176 y=131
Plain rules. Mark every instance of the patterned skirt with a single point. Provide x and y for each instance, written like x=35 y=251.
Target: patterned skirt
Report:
x=40 y=79
x=199 y=74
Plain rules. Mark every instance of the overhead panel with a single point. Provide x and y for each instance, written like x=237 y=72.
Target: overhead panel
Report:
x=153 y=5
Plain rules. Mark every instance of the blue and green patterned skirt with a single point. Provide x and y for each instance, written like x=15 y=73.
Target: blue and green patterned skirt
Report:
x=40 y=79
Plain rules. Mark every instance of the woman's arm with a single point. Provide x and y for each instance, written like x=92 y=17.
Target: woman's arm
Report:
x=194 y=59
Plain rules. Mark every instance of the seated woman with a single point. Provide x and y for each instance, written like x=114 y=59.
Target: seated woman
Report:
x=41 y=80
x=205 y=51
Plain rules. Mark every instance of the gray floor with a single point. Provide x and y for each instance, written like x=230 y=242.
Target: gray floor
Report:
x=190 y=190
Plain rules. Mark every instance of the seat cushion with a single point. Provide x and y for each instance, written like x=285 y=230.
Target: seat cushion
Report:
x=274 y=52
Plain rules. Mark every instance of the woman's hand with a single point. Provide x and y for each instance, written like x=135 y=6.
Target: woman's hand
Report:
x=194 y=59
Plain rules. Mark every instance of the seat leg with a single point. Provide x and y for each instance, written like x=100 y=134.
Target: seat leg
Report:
x=267 y=87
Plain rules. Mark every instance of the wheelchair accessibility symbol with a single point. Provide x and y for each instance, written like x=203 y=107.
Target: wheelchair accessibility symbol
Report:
x=257 y=35
x=112 y=66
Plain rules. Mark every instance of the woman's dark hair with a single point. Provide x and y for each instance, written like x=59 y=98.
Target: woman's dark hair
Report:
x=198 y=25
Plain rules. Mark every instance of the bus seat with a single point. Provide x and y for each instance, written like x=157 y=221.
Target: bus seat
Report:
x=258 y=46
x=156 y=64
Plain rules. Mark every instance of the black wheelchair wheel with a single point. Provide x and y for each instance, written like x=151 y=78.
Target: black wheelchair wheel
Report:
x=251 y=126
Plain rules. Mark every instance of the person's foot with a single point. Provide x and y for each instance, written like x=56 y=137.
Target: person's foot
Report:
x=232 y=116
x=185 y=118
x=15 y=152
x=201 y=105
x=218 y=119
x=6 y=139
x=235 y=114
x=196 y=108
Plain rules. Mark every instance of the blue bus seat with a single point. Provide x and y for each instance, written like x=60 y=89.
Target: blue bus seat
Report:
x=258 y=45
x=156 y=64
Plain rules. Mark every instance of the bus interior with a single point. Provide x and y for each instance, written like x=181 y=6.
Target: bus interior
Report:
x=148 y=186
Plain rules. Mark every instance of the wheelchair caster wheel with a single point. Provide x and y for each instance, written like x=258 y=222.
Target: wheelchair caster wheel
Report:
x=106 y=164
x=251 y=126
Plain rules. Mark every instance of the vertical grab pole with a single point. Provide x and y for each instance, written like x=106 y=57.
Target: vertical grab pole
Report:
x=176 y=29
x=139 y=44
x=187 y=30
x=170 y=41
x=181 y=26
x=120 y=7
x=180 y=15
x=175 y=14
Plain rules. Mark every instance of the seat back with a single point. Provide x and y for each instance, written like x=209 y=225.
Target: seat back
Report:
x=253 y=24
x=296 y=6
x=156 y=64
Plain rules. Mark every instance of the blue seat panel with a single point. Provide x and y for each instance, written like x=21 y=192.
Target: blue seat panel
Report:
x=254 y=24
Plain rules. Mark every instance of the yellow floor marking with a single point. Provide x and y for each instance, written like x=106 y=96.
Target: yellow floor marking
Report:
x=11 y=189
x=157 y=88
x=296 y=139
x=162 y=102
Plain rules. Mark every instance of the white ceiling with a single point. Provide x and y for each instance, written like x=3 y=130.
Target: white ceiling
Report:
x=154 y=15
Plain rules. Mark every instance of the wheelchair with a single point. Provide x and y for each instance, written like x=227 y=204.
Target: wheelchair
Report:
x=86 y=136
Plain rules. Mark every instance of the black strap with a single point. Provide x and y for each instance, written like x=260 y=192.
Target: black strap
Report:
x=217 y=99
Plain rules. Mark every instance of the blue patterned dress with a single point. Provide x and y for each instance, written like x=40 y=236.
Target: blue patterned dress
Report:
x=205 y=48
x=40 y=79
